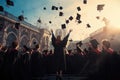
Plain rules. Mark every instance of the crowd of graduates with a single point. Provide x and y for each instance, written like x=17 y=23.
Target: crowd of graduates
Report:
x=32 y=64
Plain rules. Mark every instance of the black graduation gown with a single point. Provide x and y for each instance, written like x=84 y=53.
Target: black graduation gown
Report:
x=59 y=52
x=36 y=64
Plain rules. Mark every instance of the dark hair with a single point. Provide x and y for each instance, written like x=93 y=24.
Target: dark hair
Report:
x=106 y=43
x=94 y=46
x=14 y=44
x=25 y=47
x=37 y=46
x=94 y=43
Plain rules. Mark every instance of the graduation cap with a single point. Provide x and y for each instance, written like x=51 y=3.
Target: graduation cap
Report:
x=17 y=25
x=97 y=17
x=85 y=1
x=44 y=8
x=70 y=40
x=80 y=43
x=94 y=42
x=88 y=25
x=79 y=21
x=21 y=18
x=100 y=7
x=67 y=21
x=50 y=22
x=78 y=8
x=70 y=18
x=1 y=8
x=9 y=2
x=63 y=26
x=53 y=8
x=60 y=7
x=60 y=13
x=78 y=16
x=56 y=8
x=39 y=20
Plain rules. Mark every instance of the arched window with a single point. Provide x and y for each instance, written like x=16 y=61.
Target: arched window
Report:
x=10 y=38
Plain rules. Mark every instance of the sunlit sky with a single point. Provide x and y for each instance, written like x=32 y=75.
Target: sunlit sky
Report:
x=33 y=10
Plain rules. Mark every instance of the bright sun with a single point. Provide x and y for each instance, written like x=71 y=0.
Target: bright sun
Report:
x=112 y=12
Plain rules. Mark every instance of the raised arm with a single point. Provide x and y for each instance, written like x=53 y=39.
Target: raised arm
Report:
x=66 y=38
x=53 y=38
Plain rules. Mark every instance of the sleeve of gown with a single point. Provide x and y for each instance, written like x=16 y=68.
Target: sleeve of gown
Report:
x=65 y=40
x=53 y=39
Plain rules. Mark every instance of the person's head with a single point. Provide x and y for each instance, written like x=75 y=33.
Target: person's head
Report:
x=37 y=46
x=94 y=43
x=25 y=48
x=14 y=44
x=105 y=44
x=4 y=48
x=58 y=38
x=45 y=51
x=95 y=46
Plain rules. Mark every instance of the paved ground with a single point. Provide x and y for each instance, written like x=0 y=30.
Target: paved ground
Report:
x=64 y=77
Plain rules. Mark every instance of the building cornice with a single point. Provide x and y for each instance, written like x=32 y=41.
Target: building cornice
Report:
x=13 y=19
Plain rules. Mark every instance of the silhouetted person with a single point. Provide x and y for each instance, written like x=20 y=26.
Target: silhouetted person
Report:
x=10 y=60
x=1 y=61
x=59 y=46
x=93 y=54
x=79 y=49
x=108 y=64
x=106 y=47
x=25 y=66
x=36 y=63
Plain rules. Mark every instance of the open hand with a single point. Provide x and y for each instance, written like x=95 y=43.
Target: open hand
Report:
x=51 y=31
x=70 y=30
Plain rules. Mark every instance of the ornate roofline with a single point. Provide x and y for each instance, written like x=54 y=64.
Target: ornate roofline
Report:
x=14 y=19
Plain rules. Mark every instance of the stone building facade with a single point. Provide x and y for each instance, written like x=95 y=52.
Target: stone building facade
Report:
x=12 y=29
